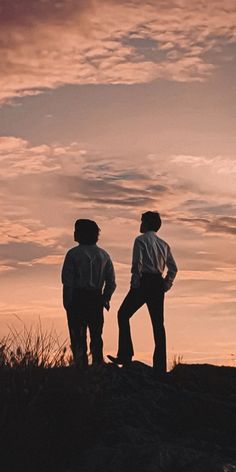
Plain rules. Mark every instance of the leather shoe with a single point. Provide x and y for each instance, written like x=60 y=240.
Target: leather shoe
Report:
x=118 y=361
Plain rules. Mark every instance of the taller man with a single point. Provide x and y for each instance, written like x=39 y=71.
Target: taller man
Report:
x=150 y=257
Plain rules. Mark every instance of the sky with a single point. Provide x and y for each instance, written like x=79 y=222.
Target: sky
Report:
x=109 y=108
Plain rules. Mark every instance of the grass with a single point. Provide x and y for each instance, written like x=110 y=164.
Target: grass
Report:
x=177 y=359
x=43 y=402
x=33 y=347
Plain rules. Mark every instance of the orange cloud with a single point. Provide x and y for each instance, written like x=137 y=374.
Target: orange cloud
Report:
x=49 y=260
x=5 y=268
x=28 y=230
x=72 y=173
x=45 y=44
x=212 y=175
x=221 y=274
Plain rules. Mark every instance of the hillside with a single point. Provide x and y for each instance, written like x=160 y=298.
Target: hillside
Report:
x=110 y=419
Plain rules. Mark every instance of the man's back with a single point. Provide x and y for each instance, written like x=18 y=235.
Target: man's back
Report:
x=152 y=254
x=155 y=252
x=86 y=266
x=88 y=279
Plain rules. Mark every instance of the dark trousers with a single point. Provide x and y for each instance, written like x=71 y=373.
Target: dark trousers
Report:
x=85 y=313
x=151 y=292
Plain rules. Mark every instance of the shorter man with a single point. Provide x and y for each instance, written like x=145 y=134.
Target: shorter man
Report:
x=150 y=256
x=88 y=279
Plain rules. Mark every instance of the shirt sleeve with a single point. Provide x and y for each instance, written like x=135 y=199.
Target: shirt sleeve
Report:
x=171 y=268
x=67 y=274
x=137 y=264
x=67 y=277
x=110 y=282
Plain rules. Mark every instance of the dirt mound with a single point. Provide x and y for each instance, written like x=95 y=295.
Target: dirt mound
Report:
x=112 y=419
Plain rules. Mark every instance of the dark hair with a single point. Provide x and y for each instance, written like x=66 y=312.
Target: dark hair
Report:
x=152 y=220
x=86 y=231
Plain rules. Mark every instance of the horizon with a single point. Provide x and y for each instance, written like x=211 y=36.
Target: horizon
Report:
x=109 y=109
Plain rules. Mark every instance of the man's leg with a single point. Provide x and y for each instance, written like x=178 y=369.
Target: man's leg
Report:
x=155 y=303
x=78 y=336
x=95 y=323
x=132 y=302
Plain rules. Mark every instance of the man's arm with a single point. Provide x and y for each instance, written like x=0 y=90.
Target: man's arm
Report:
x=137 y=264
x=171 y=272
x=67 y=277
x=110 y=283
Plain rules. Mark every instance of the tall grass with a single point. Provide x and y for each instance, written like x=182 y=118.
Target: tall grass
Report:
x=177 y=359
x=33 y=347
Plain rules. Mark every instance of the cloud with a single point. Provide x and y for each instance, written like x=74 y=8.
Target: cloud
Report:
x=222 y=225
x=219 y=164
x=204 y=207
x=76 y=175
x=5 y=268
x=72 y=172
x=49 y=260
x=46 y=44
x=206 y=175
x=17 y=158
x=25 y=242
x=27 y=230
x=221 y=274
x=48 y=184
x=15 y=252
x=108 y=193
x=216 y=226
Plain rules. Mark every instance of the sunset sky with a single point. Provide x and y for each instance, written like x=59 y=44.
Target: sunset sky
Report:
x=110 y=108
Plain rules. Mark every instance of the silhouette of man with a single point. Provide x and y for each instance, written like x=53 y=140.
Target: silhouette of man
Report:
x=88 y=279
x=150 y=256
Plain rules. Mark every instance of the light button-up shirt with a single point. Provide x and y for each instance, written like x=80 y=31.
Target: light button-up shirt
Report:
x=151 y=255
x=89 y=267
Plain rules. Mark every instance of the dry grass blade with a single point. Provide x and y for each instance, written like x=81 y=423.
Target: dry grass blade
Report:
x=33 y=347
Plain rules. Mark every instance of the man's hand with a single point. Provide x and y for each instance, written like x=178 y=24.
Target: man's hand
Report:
x=67 y=297
x=106 y=303
x=167 y=284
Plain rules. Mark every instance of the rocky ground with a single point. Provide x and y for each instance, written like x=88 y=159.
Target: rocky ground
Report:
x=114 y=419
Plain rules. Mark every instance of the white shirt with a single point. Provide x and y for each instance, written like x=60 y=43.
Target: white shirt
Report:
x=89 y=267
x=151 y=255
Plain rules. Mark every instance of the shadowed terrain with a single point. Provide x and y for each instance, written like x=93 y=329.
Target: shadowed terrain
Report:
x=115 y=419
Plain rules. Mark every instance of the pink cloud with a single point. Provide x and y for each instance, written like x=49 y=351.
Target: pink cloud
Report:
x=51 y=44
x=223 y=274
x=29 y=231
x=18 y=157
x=49 y=260
x=6 y=268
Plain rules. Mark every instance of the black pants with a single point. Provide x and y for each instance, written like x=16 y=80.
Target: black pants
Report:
x=86 y=312
x=151 y=292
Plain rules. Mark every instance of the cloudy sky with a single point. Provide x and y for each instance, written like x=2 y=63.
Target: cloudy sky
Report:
x=109 y=108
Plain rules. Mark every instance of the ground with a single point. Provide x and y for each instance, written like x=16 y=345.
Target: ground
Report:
x=112 y=419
